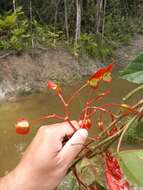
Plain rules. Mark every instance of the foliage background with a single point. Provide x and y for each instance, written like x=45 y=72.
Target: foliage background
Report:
x=92 y=27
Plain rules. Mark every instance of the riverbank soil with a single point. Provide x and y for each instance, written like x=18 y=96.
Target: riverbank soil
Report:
x=128 y=53
x=28 y=72
x=25 y=73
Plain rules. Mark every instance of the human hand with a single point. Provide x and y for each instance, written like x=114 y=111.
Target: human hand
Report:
x=47 y=160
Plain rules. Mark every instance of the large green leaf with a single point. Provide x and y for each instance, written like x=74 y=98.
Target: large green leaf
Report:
x=134 y=71
x=131 y=163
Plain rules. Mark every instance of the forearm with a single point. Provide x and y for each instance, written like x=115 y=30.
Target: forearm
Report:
x=15 y=181
x=19 y=180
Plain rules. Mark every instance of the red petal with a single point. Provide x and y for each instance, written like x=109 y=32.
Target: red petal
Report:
x=113 y=174
x=115 y=184
x=113 y=166
x=98 y=74
x=103 y=73
x=85 y=123
x=22 y=131
x=52 y=85
x=113 y=131
x=22 y=127
x=110 y=67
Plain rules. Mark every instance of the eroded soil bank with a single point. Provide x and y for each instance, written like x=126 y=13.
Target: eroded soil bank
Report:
x=26 y=73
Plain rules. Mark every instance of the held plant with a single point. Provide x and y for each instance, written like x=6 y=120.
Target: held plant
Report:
x=96 y=153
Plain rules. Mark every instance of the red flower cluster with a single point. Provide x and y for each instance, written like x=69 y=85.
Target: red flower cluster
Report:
x=85 y=123
x=23 y=127
x=114 y=177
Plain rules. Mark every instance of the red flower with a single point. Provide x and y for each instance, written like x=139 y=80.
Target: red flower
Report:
x=113 y=131
x=113 y=174
x=22 y=127
x=52 y=85
x=99 y=74
x=102 y=74
x=85 y=123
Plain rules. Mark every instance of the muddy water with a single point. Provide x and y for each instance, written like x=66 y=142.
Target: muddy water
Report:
x=34 y=106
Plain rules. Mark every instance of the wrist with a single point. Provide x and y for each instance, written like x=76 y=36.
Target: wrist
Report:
x=16 y=180
x=25 y=178
x=7 y=182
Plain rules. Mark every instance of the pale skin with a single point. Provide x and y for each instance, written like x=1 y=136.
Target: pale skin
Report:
x=47 y=159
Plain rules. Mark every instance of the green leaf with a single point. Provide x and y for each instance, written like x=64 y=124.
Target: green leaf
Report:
x=11 y=19
x=1 y=23
x=134 y=71
x=131 y=163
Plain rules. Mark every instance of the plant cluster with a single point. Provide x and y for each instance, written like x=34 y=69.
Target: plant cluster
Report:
x=14 y=31
x=96 y=154
x=19 y=33
x=99 y=26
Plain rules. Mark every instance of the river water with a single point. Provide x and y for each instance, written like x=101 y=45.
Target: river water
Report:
x=35 y=106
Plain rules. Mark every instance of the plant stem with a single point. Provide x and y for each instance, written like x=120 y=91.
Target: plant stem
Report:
x=79 y=180
x=132 y=93
x=72 y=126
x=126 y=128
x=112 y=124
x=76 y=93
x=62 y=99
x=66 y=105
x=97 y=148
x=107 y=139
x=107 y=145
x=48 y=117
x=103 y=110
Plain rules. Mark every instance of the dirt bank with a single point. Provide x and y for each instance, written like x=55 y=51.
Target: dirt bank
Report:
x=126 y=53
x=25 y=73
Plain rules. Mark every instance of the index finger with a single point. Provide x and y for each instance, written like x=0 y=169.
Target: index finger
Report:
x=65 y=129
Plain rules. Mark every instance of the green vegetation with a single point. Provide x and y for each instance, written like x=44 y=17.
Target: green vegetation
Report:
x=18 y=33
x=134 y=134
x=134 y=73
x=13 y=31
x=131 y=163
x=91 y=27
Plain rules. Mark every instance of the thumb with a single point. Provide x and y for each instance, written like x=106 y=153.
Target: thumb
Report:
x=74 y=145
